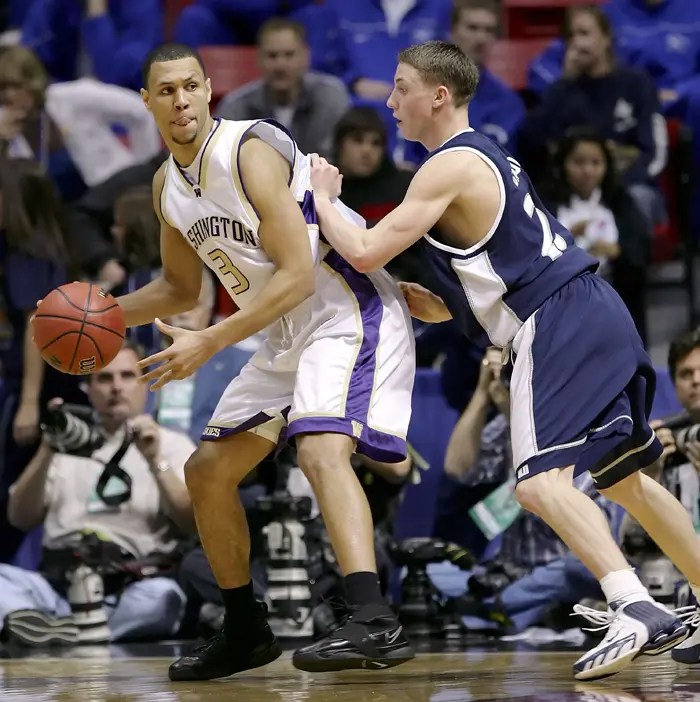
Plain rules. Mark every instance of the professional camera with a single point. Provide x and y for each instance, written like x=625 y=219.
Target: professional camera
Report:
x=90 y=568
x=75 y=430
x=683 y=429
x=423 y=610
x=287 y=574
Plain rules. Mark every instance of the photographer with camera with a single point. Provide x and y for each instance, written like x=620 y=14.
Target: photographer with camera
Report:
x=532 y=559
x=108 y=485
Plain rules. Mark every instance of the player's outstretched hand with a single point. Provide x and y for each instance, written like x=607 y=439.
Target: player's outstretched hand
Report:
x=325 y=177
x=424 y=305
x=189 y=351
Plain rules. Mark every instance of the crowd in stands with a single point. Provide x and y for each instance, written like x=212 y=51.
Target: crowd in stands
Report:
x=78 y=152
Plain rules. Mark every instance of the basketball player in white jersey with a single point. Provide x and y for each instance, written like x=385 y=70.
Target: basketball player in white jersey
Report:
x=581 y=382
x=336 y=371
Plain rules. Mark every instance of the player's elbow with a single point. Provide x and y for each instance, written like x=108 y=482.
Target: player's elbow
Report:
x=365 y=262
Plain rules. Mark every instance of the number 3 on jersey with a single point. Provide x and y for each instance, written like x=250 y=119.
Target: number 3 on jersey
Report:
x=553 y=245
x=238 y=282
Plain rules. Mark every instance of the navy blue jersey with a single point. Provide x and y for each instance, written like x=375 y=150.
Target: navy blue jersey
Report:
x=492 y=287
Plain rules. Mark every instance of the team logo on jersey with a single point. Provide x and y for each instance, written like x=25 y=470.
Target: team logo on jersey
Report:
x=198 y=192
x=357 y=428
x=523 y=471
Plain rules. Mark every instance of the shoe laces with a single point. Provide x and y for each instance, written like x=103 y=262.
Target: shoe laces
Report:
x=690 y=616
x=604 y=619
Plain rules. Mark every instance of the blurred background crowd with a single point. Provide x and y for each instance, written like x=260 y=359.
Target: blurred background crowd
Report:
x=599 y=102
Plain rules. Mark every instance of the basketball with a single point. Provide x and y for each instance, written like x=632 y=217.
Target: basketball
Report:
x=79 y=328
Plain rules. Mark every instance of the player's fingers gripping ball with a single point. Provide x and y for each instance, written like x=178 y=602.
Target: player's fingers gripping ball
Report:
x=78 y=328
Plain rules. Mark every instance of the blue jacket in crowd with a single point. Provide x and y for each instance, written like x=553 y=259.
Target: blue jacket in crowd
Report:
x=116 y=43
x=622 y=106
x=350 y=39
x=663 y=39
x=496 y=110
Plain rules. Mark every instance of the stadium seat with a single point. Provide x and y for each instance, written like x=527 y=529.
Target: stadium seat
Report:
x=229 y=67
x=529 y=19
x=171 y=12
x=509 y=59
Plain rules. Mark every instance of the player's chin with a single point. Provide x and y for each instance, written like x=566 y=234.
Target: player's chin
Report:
x=184 y=135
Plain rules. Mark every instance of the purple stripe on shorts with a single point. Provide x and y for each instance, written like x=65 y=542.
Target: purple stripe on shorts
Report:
x=371 y=312
x=308 y=207
x=372 y=443
x=216 y=432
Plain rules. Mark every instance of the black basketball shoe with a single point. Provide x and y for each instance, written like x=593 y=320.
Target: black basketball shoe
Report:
x=228 y=652
x=372 y=638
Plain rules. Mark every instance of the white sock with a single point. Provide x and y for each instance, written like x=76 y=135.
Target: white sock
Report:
x=623 y=585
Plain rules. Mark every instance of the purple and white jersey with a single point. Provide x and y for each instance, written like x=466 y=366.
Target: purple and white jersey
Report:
x=343 y=361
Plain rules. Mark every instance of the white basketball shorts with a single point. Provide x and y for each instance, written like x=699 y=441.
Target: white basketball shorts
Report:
x=350 y=370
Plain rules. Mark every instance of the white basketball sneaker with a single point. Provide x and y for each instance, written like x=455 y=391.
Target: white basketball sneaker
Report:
x=634 y=628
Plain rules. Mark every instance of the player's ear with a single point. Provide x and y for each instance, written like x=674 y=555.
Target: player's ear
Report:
x=146 y=99
x=442 y=96
x=207 y=84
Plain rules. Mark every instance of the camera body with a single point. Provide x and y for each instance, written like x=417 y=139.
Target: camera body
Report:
x=683 y=429
x=287 y=558
x=73 y=429
x=423 y=610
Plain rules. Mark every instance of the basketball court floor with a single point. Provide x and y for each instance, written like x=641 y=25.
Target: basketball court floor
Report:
x=139 y=674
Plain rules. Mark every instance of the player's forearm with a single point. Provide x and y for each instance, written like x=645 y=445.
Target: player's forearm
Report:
x=33 y=374
x=159 y=298
x=465 y=442
x=349 y=240
x=284 y=291
x=25 y=508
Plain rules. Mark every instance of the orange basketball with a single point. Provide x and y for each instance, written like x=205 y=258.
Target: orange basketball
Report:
x=79 y=328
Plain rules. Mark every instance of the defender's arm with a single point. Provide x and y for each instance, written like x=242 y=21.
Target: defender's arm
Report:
x=432 y=190
x=284 y=237
x=177 y=288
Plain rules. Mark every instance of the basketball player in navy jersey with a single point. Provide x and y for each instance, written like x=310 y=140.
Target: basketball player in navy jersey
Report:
x=581 y=382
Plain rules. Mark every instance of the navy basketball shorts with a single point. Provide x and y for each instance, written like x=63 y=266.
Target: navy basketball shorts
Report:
x=581 y=387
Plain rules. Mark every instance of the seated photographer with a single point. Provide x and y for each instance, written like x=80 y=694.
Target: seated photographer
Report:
x=531 y=554
x=108 y=485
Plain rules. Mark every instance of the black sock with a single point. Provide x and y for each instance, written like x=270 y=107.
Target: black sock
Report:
x=363 y=589
x=239 y=603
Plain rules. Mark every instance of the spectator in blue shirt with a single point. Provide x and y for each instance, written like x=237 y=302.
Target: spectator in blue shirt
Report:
x=496 y=109
x=620 y=102
x=228 y=22
x=107 y=39
x=372 y=33
x=34 y=259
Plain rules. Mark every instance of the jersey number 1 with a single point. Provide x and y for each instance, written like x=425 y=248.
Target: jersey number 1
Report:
x=239 y=283
x=553 y=245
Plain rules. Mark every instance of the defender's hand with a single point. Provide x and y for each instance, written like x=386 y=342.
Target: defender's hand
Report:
x=424 y=305
x=325 y=177
x=189 y=351
x=146 y=437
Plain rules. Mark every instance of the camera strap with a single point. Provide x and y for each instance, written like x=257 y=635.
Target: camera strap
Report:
x=111 y=470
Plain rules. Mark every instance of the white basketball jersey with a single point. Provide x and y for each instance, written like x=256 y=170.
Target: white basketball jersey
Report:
x=208 y=203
